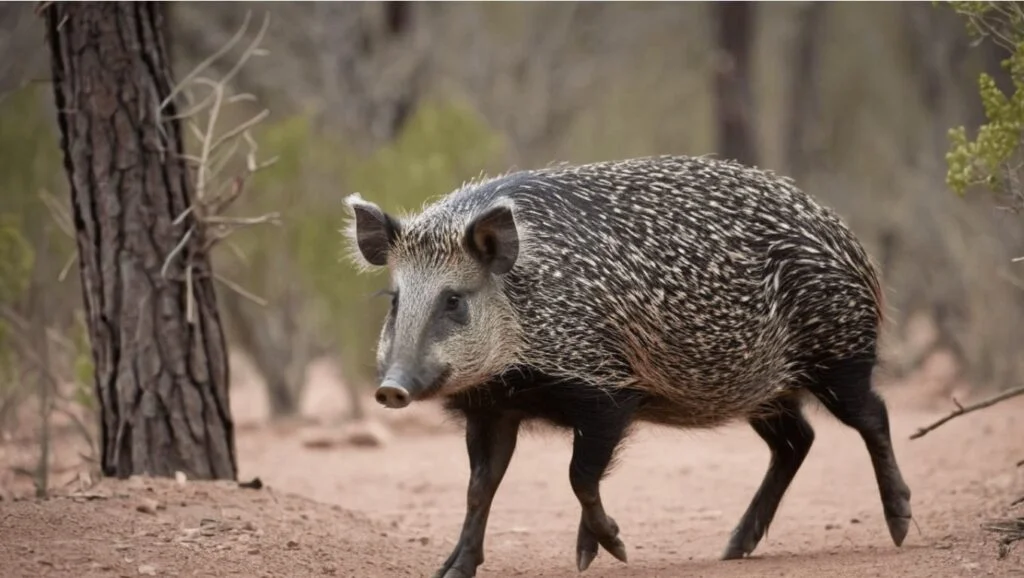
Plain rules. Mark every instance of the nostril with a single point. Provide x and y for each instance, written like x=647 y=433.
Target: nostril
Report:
x=392 y=395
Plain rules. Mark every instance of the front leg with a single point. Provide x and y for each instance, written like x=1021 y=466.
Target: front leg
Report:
x=490 y=441
x=597 y=433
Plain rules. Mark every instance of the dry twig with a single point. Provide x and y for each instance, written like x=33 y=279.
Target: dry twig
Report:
x=961 y=409
x=213 y=196
x=1009 y=531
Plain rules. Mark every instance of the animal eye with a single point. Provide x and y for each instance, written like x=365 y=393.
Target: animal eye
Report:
x=453 y=302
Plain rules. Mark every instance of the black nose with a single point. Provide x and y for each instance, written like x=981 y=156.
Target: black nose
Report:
x=392 y=395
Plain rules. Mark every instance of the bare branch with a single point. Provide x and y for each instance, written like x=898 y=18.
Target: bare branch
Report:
x=238 y=130
x=961 y=410
x=206 y=222
x=1009 y=531
x=241 y=290
x=59 y=213
x=177 y=249
x=207 y=140
x=67 y=267
x=206 y=63
x=190 y=301
x=244 y=221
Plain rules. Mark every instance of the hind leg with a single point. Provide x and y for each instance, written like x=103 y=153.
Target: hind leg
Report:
x=846 y=391
x=789 y=437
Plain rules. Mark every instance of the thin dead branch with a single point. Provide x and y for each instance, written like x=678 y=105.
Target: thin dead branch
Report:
x=1009 y=531
x=962 y=409
x=62 y=217
x=213 y=196
x=241 y=290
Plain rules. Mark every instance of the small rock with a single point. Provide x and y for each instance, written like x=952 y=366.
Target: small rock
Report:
x=149 y=506
x=254 y=551
x=424 y=540
x=943 y=546
x=367 y=433
x=208 y=526
x=320 y=442
x=92 y=495
x=147 y=570
x=136 y=482
x=180 y=477
x=855 y=520
x=292 y=544
x=248 y=526
x=253 y=484
x=831 y=526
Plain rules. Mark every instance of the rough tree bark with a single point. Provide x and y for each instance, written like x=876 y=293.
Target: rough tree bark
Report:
x=161 y=379
x=733 y=97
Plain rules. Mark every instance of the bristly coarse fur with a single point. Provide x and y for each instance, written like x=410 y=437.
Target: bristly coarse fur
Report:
x=714 y=286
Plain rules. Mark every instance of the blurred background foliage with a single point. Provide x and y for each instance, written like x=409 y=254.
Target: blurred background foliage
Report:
x=403 y=102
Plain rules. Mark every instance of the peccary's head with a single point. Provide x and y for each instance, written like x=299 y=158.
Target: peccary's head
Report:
x=450 y=325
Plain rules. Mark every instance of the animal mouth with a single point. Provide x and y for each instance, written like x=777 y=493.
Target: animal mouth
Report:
x=399 y=389
x=433 y=388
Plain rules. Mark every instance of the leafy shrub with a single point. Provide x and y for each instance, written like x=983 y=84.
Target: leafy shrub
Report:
x=989 y=159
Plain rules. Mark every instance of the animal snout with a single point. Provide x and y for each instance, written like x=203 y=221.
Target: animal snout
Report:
x=392 y=395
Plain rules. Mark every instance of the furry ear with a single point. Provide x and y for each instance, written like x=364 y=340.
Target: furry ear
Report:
x=493 y=239
x=370 y=231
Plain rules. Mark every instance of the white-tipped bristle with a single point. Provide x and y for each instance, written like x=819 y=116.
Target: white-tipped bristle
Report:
x=704 y=281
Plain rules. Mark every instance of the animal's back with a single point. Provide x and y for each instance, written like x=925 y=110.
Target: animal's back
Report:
x=709 y=284
x=682 y=291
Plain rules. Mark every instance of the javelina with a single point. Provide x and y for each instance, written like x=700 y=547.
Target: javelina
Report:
x=680 y=291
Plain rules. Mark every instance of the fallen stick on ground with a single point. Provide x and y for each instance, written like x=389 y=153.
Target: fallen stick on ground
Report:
x=1009 y=531
x=961 y=410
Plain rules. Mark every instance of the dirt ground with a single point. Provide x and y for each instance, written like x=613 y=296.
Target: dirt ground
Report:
x=333 y=507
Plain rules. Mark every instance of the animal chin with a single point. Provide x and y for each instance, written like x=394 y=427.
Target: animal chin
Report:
x=434 y=388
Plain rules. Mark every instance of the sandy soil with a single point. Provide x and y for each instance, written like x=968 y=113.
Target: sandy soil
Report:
x=341 y=509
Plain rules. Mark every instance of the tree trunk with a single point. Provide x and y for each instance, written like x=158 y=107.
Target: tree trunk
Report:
x=803 y=91
x=733 y=97
x=161 y=374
